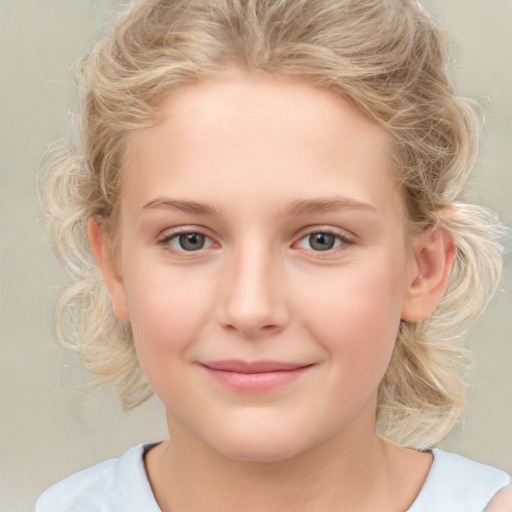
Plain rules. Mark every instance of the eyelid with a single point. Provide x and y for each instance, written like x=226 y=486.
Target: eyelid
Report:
x=169 y=234
x=346 y=239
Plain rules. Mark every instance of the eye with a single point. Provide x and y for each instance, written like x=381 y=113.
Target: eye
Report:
x=322 y=241
x=190 y=241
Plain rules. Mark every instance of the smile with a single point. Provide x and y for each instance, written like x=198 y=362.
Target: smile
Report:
x=254 y=376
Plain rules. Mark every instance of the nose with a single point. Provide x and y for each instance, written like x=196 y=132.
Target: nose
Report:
x=254 y=301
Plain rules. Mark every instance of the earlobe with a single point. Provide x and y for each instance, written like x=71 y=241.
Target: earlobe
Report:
x=434 y=252
x=105 y=259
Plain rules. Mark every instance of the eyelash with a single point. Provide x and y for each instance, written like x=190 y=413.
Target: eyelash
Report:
x=343 y=241
x=165 y=241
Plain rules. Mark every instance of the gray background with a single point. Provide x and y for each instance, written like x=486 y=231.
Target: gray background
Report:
x=42 y=433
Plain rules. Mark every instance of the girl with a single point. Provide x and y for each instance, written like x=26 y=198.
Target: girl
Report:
x=271 y=191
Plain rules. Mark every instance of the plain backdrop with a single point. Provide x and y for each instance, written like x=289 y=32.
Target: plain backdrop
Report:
x=43 y=437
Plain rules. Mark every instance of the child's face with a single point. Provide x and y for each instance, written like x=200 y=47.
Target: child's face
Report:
x=260 y=222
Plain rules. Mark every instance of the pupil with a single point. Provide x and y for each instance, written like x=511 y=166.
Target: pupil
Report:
x=321 y=241
x=191 y=241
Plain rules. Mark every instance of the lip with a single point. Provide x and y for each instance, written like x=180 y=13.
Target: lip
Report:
x=254 y=375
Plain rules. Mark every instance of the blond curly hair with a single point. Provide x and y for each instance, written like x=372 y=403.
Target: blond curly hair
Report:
x=389 y=57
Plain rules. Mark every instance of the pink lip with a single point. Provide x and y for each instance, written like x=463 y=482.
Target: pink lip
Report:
x=254 y=376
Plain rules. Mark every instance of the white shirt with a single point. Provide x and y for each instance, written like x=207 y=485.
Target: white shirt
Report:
x=454 y=484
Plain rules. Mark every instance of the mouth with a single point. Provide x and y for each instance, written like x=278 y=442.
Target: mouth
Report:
x=256 y=375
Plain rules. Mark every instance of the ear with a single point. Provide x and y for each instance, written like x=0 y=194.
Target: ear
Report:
x=103 y=254
x=433 y=257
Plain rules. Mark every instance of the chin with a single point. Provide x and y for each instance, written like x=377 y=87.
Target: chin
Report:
x=260 y=445
x=257 y=452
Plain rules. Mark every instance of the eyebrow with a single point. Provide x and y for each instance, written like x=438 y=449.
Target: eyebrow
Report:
x=181 y=205
x=297 y=207
x=328 y=204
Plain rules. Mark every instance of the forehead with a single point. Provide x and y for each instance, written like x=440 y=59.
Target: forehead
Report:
x=239 y=132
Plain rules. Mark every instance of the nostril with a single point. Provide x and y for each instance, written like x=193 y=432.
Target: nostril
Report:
x=252 y=330
x=248 y=304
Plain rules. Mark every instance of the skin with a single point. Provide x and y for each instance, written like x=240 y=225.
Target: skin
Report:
x=502 y=502
x=256 y=165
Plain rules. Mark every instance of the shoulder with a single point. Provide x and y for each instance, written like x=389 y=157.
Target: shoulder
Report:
x=113 y=485
x=91 y=489
x=456 y=483
x=502 y=502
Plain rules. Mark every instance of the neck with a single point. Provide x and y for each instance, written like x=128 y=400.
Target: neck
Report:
x=351 y=471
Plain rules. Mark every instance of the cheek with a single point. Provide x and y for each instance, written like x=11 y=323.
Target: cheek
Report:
x=356 y=316
x=167 y=313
